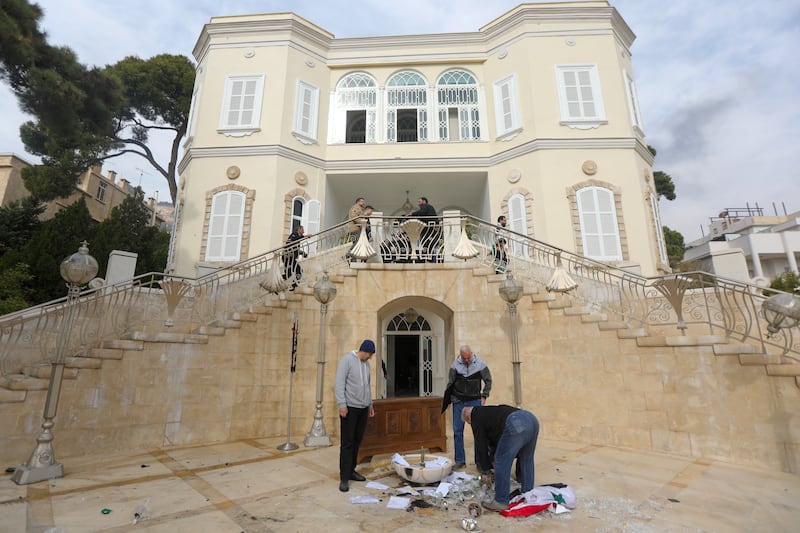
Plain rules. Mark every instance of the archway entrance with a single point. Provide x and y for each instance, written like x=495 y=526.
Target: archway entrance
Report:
x=414 y=362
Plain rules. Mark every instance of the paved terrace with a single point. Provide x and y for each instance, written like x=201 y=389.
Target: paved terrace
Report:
x=253 y=487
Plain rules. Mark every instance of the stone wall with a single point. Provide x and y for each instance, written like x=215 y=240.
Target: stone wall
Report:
x=587 y=380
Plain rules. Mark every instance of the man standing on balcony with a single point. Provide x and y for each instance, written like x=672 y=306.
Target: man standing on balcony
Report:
x=356 y=212
x=353 y=394
x=429 y=238
x=464 y=390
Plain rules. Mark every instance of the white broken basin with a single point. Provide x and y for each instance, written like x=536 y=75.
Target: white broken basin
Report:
x=424 y=468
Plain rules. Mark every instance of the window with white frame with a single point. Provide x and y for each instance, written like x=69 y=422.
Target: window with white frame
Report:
x=659 y=229
x=190 y=126
x=406 y=108
x=458 y=107
x=599 y=227
x=306 y=213
x=506 y=107
x=579 y=95
x=354 y=109
x=517 y=220
x=633 y=103
x=241 y=110
x=225 y=226
x=101 y=191
x=305 y=116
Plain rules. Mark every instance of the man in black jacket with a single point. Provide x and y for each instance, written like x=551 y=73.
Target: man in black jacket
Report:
x=464 y=389
x=503 y=433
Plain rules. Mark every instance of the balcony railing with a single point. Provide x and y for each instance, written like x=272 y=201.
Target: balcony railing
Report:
x=162 y=304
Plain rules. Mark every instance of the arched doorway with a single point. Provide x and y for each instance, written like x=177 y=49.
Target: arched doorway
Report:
x=414 y=361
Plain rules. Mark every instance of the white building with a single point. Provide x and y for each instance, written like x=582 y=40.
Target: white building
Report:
x=745 y=245
x=533 y=116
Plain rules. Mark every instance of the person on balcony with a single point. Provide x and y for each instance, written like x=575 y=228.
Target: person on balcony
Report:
x=465 y=377
x=355 y=213
x=291 y=257
x=429 y=238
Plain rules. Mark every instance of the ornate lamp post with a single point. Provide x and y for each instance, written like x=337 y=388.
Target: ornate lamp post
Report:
x=324 y=292
x=77 y=270
x=781 y=311
x=511 y=292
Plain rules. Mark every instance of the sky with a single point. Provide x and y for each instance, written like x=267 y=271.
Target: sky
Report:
x=719 y=96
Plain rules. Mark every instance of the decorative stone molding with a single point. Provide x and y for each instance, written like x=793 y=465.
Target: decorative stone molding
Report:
x=233 y=172
x=502 y=53
x=514 y=175
x=570 y=41
x=589 y=167
x=249 y=53
x=301 y=178
x=528 y=196
x=287 y=207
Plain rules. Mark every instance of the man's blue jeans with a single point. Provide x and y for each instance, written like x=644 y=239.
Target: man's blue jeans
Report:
x=518 y=441
x=458 y=430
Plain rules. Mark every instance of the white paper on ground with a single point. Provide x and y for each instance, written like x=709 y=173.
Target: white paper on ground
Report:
x=560 y=509
x=437 y=461
x=399 y=459
x=364 y=499
x=375 y=485
x=398 y=502
x=443 y=488
x=407 y=489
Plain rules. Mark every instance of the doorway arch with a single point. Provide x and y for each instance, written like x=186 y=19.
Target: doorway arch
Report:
x=414 y=358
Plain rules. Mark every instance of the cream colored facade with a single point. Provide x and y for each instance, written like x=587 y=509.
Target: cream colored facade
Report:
x=533 y=116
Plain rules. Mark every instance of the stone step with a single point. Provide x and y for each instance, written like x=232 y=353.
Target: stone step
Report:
x=261 y=309
x=543 y=297
x=612 y=325
x=106 y=353
x=169 y=337
x=578 y=311
x=787 y=369
x=594 y=318
x=734 y=349
x=244 y=317
x=123 y=344
x=83 y=362
x=683 y=340
x=560 y=303
x=210 y=331
x=755 y=359
x=44 y=370
x=21 y=382
x=632 y=333
x=12 y=396
x=229 y=324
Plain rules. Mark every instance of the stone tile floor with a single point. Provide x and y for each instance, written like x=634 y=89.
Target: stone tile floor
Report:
x=251 y=486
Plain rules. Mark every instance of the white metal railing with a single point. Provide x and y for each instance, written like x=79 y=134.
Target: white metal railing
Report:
x=689 y=301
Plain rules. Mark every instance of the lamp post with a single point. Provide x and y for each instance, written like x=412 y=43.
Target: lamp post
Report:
x=324 y=292
x=77 y=270
x=781 y=311
x=511 y=291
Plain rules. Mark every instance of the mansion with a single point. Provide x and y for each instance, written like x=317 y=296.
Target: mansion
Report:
x=533 y=116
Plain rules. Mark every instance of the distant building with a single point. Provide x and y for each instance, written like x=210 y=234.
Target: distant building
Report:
x=745 y=245
x=102 y=193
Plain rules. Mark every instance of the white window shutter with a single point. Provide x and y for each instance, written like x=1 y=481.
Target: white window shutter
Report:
x=312 y=216
x=517 y=221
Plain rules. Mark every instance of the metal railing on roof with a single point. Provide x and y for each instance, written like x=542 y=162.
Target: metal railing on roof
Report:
x=155 y=303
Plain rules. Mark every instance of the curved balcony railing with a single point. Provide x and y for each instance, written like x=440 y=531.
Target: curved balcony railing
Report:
x=164 y=304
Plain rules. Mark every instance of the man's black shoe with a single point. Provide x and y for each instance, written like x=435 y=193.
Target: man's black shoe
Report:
x=355 y=476
x=344 y=486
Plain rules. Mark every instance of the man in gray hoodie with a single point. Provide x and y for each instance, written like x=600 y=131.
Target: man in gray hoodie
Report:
x=353 y=393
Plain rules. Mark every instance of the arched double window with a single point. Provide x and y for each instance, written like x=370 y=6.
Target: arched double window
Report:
x=406 y=108
x=355 y=109
x=457 y=102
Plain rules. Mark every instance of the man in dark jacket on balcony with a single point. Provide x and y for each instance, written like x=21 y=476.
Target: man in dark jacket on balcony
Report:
x=467 y=374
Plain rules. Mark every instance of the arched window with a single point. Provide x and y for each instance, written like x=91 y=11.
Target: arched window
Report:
x=355 y=109
x=457 y=101
x=599 y=227
x=517 y=220
x=406 y=108
x=306 y=213
x=225 y=226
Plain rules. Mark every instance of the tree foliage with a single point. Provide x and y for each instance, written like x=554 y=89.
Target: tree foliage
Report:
x=675 y=246
x=57 y=239
x=662 y=181
x=83 y=116
x=127 y=228
x=786 y=282
x=19 y=221
x=14 y=291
